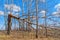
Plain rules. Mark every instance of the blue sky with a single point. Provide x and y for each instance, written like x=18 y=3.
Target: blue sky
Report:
x=48 y=5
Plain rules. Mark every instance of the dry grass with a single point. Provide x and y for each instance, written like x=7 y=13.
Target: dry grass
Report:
x=16 y=38
x=18 y=35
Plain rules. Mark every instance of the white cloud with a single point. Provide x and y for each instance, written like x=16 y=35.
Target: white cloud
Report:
x=13 y=7
x=57 y=13
x=43 y=13
x=42 y=0
x=1 y=13
x=13 y=13
x=57 y=7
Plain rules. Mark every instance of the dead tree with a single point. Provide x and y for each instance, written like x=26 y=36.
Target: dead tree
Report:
x=37 y=18
x=9 y=22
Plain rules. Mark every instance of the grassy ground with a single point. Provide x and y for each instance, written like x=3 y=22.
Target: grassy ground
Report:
x=18 y=35
x=16 y=38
